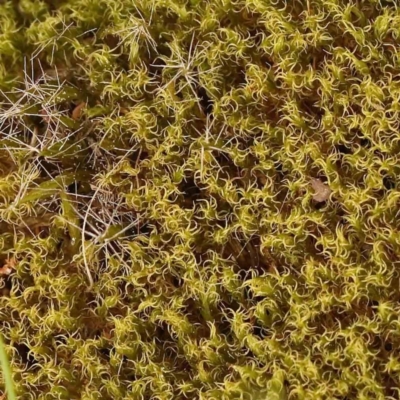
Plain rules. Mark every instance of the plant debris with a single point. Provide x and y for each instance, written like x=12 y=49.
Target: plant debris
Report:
x=321 y=190
x=8 y=266
x=77 y=111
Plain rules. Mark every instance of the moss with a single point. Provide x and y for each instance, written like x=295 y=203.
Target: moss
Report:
x=199 y=199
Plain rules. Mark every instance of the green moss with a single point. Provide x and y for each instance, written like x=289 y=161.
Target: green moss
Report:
x=199 y=199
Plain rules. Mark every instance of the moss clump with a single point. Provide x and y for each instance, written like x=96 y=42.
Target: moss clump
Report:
x=199 y=199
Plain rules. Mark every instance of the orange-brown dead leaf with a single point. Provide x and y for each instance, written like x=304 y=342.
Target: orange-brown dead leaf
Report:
x=8 y=266
x=77 y=112
x=107 y=333
x=321 y=190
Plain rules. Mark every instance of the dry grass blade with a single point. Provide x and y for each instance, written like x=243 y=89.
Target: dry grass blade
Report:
x=6 y=369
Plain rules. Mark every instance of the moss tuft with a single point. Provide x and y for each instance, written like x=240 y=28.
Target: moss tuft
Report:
x=199 y=199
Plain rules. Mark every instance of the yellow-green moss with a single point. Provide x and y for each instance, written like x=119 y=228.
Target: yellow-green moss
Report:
x=160 y=234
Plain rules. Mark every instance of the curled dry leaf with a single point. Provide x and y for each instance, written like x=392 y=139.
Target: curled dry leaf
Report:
x=77 y=112
x=321 y=190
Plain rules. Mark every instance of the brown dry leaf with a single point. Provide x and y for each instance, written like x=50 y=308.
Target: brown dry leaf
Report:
x=77 y=112
x=8 y=266
x=107 y=333
x=321 y=190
